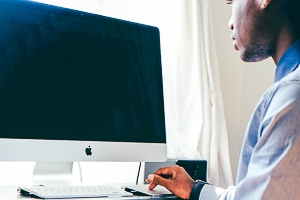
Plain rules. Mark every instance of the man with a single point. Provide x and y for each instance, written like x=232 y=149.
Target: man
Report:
x=269 y=166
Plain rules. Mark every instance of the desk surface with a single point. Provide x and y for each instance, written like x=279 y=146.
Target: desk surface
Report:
x=11 y=193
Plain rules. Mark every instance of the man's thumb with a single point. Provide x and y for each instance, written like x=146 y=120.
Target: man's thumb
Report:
x=157 y=179
x=151 y=177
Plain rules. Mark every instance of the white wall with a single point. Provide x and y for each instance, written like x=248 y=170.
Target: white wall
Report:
x=242 y=83
x=20 y=173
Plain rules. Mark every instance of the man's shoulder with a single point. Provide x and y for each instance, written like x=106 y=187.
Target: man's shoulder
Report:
x=286 y=89
x=290 y=81
x=289 y=85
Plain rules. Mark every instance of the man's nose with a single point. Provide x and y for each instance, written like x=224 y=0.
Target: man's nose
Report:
x=230 y=24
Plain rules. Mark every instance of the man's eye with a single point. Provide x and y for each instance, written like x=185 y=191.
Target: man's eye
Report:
x=229 y=2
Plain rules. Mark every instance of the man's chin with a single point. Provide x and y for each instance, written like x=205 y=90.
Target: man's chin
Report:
x=252 y=57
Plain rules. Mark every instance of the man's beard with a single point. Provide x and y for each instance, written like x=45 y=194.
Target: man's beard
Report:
x=257 y=51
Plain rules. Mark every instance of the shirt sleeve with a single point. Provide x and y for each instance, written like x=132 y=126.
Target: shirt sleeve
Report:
x=270 y=158
x=272 y=147
x=210 y=192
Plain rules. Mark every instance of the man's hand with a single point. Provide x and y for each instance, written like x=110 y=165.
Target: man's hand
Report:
x=178 y=181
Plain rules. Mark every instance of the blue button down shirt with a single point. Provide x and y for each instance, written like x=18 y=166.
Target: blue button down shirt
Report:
x=269 y=166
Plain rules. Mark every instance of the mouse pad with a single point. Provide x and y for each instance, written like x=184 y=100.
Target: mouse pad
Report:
x=157 y=191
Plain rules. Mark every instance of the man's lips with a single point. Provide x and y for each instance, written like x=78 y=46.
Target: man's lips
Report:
x=235 y=45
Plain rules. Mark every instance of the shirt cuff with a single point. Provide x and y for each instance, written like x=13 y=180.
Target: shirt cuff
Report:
x=210 y=192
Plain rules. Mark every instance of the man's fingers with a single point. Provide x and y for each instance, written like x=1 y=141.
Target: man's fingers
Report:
x=164 y=171
x=152 y=186
x=161 y=177
x=150 y=180
x=156 y=180
x=174 y=178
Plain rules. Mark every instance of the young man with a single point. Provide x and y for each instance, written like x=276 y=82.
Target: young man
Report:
x=269 y=166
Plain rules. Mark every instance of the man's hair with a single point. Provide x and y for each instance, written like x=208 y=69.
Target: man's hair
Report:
x=293 y=9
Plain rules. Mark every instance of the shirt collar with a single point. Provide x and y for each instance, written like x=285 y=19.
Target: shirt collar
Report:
x=289 y=61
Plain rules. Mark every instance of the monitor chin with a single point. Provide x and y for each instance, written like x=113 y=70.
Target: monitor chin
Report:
x=56 y=173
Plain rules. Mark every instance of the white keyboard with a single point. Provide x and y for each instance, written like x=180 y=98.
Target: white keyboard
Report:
x=55 y=192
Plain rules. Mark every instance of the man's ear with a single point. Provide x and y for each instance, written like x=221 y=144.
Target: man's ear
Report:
x=265 y=3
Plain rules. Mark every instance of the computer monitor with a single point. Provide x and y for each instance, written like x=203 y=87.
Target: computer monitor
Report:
x=76 y=86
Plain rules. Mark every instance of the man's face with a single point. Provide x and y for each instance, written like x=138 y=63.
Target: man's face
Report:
x=252 y=36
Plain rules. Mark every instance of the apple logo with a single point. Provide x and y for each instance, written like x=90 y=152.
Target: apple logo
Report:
x=88 y=151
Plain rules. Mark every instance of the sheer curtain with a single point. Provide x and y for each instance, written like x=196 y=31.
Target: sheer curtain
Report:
x=195 y=120
x=200 y=130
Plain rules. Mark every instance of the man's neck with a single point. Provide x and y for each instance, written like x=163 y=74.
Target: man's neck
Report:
x=285 y=39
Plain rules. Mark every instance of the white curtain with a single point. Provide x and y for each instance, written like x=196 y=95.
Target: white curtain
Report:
x=195 y=121
x=200 y=129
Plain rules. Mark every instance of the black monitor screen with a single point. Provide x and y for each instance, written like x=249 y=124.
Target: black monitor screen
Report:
x=71 y=75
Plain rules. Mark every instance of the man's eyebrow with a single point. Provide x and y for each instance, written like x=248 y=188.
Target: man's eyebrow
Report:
x=228 y=1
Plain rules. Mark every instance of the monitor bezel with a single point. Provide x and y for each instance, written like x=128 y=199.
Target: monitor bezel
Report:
x=73 y=151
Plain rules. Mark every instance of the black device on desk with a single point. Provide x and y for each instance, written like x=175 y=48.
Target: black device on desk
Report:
x=197 y=169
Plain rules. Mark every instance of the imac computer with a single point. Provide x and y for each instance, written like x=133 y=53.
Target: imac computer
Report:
x=76 y=86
